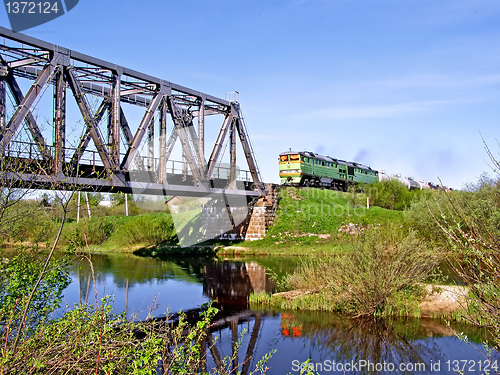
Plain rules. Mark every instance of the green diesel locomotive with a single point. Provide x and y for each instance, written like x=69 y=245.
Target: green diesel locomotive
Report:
x=310 y=169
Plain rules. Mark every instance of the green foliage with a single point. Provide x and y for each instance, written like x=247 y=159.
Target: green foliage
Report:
x=151 y=228
x=468 y=225
x=391 y=194
x=383 y=261
x=17 y=278
x=437 y=215
x=321 y=300
x=26 y=221
x=312 y=217
x=120 y=231
x=91 y=339
x=87 y=232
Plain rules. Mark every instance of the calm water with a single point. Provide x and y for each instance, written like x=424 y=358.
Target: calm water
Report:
x=335 y=344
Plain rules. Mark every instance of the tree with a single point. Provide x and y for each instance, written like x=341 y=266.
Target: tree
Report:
x=12 y=209
x=472 y=228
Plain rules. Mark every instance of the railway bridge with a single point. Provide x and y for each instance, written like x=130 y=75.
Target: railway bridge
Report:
x=69 y=121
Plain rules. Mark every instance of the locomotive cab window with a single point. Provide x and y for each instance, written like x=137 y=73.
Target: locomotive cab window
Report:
x=294 y=157
x=284 y=158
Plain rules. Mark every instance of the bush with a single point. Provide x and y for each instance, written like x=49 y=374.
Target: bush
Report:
x=90 y=339
x=120 y=231
x=469 y=223
x=151 y=229
x=17 y=278
x=89 y=231
x=436 y=214
x=383 y=262
x=391 y=194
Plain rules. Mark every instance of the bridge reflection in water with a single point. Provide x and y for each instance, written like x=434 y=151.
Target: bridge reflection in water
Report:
x=297 y=335
x=230 y=284
x=226 y=283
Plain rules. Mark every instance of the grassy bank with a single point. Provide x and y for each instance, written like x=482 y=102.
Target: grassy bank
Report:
x=119 y=233
x=379 y=275
x=314 y=221
x=421 y=301
x=101 y=233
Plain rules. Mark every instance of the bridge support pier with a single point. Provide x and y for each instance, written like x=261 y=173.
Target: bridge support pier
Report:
x=262 y=214
x=252 y=221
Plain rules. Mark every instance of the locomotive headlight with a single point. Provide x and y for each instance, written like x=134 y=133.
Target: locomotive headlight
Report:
x=289 y=171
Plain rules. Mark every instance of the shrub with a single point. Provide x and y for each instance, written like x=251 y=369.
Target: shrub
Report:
x=89 y=231
x=383 y=261
x=435 y=215
x=92 y=340
x=469 y=224
x=149 y=229
x=17 y=278
x=390 y=194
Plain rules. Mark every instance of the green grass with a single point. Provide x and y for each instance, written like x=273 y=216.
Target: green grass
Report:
x=320 y=301
x=308 y=222
x=119 y=233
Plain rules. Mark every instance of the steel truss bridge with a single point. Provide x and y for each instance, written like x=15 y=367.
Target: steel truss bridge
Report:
x=111 y=154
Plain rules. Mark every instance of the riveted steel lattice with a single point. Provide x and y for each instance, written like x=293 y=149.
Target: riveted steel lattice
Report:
x=112 y=152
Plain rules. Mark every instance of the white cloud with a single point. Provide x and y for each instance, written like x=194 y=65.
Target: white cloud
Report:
x=371 y=111
x=440 y=81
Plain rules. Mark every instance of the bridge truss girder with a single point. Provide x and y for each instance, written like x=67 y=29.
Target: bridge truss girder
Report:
x=118 y=146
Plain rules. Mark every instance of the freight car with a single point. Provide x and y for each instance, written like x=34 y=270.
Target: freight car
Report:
x=310 y=169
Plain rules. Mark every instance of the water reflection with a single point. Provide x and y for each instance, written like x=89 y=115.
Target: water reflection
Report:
x=230 y=283
x=141 y=285
x=412 y=341
x=128 y=277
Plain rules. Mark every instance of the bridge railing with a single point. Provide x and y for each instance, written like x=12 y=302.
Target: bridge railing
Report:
x=30 y=151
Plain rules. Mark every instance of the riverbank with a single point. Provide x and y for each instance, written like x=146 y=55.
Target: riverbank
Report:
x=430 y=301
x=308 y=222
x=118 y=233
x=316 y=221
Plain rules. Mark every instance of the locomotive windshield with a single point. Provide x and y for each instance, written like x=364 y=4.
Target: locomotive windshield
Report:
x=294 y=157
x=284 y=158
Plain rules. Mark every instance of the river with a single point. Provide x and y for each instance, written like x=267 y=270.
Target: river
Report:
x=334 y=344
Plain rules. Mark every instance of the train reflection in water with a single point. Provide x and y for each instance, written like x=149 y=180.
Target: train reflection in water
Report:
x=185 y=284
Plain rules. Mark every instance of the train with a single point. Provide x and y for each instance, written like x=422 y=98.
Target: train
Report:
x=306 y=168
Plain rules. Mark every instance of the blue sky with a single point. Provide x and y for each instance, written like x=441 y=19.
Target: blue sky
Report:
x=402 y=86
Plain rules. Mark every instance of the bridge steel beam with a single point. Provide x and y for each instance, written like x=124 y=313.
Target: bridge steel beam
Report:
x=59 y=120
x=114 y=120
x=85 y=139
x=3 y=100
x=214 y=157
x=146 y=120
x=183 y=124
x=89 y=118
x=113 y=185
x=23 y=112
x=162 y=171
x=127 y=134
x=232 y=152
x=99 y=88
